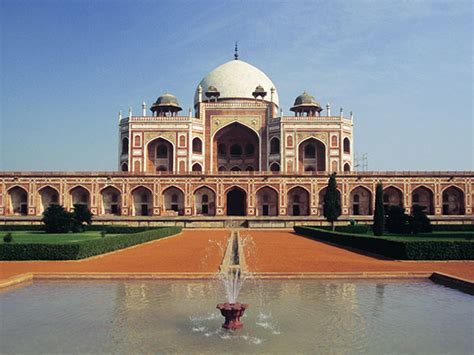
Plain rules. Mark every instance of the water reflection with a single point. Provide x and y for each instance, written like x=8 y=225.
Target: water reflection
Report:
x=306 y=316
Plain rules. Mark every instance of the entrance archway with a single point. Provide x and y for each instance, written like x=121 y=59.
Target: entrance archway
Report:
x=236 y=202
x=235 y=146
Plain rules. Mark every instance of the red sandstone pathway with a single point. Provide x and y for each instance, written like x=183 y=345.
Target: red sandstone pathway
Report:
x=272 y=251
x=282 y=251
x=190 y=251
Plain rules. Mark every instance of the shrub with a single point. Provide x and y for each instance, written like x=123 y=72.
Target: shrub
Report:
x=397 y=220
x=56 y=219
x=379 y=213
x=419 y=222
x=80 y=215
x=81 y=250
x=403 y=249
x=8 y=238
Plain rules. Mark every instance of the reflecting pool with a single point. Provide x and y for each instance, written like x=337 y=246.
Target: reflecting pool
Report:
x=285 y=316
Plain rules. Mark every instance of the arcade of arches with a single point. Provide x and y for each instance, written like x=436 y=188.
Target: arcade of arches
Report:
x=265 y=200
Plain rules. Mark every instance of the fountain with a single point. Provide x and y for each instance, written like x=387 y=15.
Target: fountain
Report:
x=232 y=276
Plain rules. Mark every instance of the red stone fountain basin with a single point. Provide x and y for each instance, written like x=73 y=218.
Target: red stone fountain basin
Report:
x=232 y=313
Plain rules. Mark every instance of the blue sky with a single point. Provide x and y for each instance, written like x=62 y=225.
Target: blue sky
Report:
x=403 y=67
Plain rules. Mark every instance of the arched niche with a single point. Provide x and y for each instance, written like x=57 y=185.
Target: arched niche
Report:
x=142 y=201
x=298 y=202
x=392 y=196
x=17 y=203
x=267 y=202
x=111 y=201
x=235 y=145
x=312 y=153
x=80 y=196
x=236 y=202
x=422 y=196
x=173 y=199
x=361 y=201
x=205 y=202
x=160 y=155
x=453 y=201
x=47 y=196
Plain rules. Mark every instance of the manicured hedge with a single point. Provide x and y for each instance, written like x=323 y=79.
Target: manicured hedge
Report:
x=357 y=229
x=404 y=250
x=453 y=227
x=81 y=250
x=109 y=229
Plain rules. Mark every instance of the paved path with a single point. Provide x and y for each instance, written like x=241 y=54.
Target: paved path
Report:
x=190 y=251
x=282 y=251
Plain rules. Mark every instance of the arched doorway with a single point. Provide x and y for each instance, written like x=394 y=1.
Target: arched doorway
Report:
x=173 y=199
x=453 y=201
x=312 y=155
x=142 y=201
x=267 y=202
x=392 y=196
x=80 y=196
x=298 y=202
x=236 y=202
x=235 y=145
x=423 y=196
x=18 y=201
x=204 y=201
x=47 y=197
x=160 y=155
x=361 y=201
x=111 y=201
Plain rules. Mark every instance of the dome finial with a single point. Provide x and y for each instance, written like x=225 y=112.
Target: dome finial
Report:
x=236 y=51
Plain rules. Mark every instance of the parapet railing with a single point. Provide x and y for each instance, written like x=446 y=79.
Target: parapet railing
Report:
x=237 y=173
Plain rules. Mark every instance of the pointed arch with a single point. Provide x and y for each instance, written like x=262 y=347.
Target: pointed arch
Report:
x=197 y=145
x=423 y=196
x=173 y=201
x=311 y=153
x=238 y=142
x=275 y=145
x=392 y=196
x=267 y=201
x=236 y=201
x=346 y=145
x=298 y=201
x=453 y=201
x=111 y=198
x=275 y=167
x=17 y=201
x=204 y=201
x=160 y=152
x=142 y=197
x=361 y=201
x=48 y=196
x=197 y=167
x=79 y=195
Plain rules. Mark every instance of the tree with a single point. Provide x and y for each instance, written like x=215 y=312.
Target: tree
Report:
x=56 y=219
x=332 y=203
x=80 y=215
x=379 y=213
x=397 y=220
x=419 y=222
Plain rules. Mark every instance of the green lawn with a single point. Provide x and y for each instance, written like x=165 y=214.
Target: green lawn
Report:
x=48 y=238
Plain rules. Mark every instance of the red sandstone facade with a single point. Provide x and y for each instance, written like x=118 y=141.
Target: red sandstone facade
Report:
x=237 y=155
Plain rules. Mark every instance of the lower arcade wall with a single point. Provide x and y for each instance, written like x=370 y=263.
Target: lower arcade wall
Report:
x=202 y=199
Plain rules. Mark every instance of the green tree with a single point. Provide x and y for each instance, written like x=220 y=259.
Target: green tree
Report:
x=80 y=215
x=397 y=220
x=56 y=219
x=419 y=221
x=332 y=202
x=379 y=214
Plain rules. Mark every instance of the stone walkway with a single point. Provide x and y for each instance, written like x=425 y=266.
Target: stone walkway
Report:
x=201 y=251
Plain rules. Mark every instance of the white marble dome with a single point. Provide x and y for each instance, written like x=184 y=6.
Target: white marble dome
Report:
x=236 y=79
